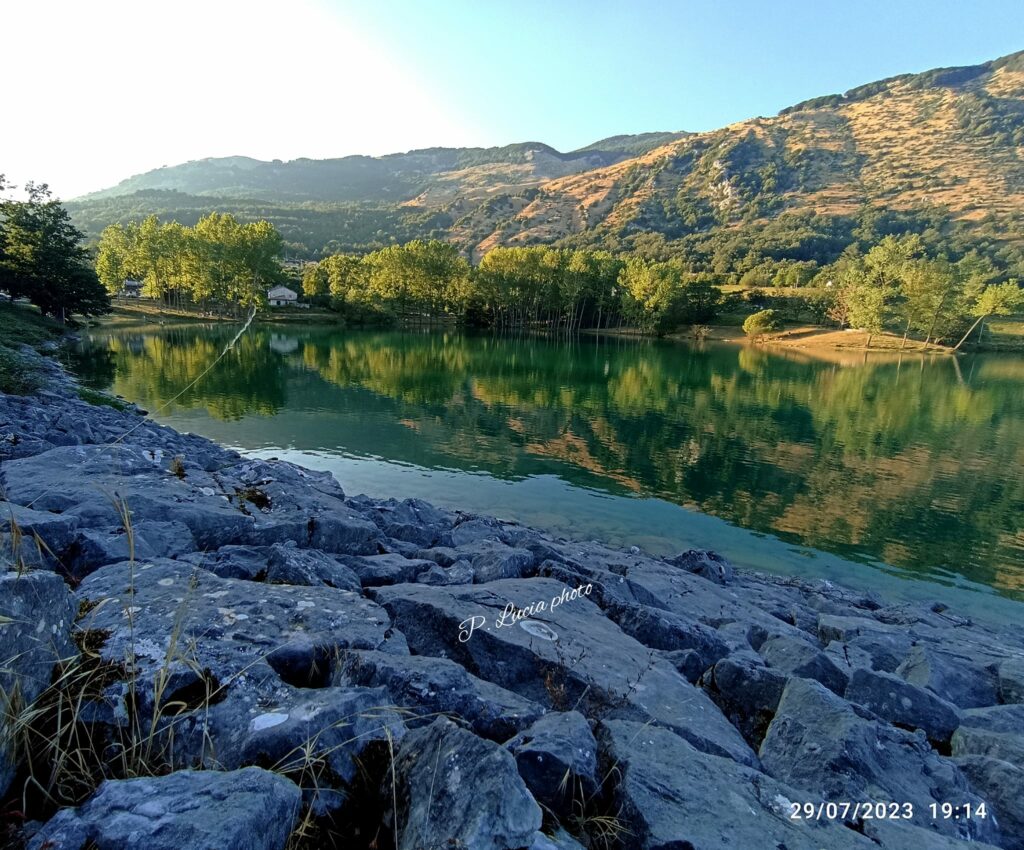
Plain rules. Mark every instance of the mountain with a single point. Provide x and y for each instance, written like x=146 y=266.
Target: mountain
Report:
x=395 y=177
x=939 y=150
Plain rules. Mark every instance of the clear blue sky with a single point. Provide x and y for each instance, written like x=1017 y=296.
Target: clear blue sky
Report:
x=127 y=86
x=571 y=71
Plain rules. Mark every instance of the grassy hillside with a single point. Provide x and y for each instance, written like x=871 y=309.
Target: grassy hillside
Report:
x=938 y=152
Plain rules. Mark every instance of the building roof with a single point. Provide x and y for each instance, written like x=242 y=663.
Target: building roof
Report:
x=282 y=293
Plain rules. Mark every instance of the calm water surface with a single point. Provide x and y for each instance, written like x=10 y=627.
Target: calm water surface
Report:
x=867 y=471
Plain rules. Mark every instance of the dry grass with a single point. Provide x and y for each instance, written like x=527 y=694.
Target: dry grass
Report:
x=66 y=754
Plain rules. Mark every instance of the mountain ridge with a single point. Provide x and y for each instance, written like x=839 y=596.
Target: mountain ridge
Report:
x=947 y=143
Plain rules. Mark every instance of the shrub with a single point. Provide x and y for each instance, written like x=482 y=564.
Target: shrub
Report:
x=758 y=324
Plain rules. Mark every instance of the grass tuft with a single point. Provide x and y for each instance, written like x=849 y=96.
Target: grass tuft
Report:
x=98 y=399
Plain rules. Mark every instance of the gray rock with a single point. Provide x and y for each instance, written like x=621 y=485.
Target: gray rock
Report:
x=37 y=612
x=884 y=651
x=672 y=796
x=1011 y=680
x=903 y=704
x=54 y=532
x=557 y=758
x=377 y=570
x=956 y=679
x=1001 y=784
x=475 y=529
x=430 y=686
x=826 y=746
x=248 y=809
x=799 y=658
x=460 y=572
x=559 y=840
x=748 y=693
x=891 y=834
x=833 y=627
x=688 y=662
x=233 y=561
x=492 y=560
x=334 y=725
x=412 y=521
x=709 y=565
x=567 y=657
x=287 y=564
x=443 y=556
x=455 y=789
x=665 y=630
x=997 y=732
x=225 y=651
x=249 y=502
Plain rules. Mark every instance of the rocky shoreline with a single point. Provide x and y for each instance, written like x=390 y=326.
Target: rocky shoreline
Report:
x=204 y=650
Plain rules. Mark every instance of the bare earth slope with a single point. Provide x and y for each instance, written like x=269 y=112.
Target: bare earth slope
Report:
x=947 y=140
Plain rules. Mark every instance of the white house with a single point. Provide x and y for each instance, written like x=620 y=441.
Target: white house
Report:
x=131 y=288
x=282 y=296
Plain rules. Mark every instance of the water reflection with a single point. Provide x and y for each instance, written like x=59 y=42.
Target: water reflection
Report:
x=914 y=463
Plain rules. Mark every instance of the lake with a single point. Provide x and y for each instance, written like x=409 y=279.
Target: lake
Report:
x=866 y=470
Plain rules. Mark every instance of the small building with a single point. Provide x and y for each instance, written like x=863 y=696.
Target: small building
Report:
x=131 y=289
x=282 y=296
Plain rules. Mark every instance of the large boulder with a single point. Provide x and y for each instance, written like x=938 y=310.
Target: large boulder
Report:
x=410 y=520
x=37 y=612
x=35 y=538
x=222 y=652
x=389 y=568
x=671 y=796
x=249 y=809
x=665 y=630
x=335 y=725
x=457 y=790
x=287 y=564
x=903 y=704
x=797 y=657
x=709 y=565
x=248 y=502
x=822 y=744
x=956 y=679
x=1011 y=679
x=748 y=693
x=1001 y=784
x=566 y=656
x=997 y=732
x=428 y=686
x=557 y=758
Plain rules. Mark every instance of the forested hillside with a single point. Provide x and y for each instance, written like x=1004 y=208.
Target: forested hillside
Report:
x=937 y=153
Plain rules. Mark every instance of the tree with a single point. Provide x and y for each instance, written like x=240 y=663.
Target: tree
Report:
x=113 y=258
x=757 y=325
x=314 y=280
x=42 y=259
x=997 y=300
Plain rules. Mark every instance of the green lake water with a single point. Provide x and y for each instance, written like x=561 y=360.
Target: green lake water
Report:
x=902 y=475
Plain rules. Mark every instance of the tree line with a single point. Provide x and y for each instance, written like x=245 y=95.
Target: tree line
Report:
x=42 y=258
x=220 y=262
x=897 y=286
x=547 y=288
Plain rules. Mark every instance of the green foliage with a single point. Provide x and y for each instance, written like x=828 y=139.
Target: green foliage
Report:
x=17 y=376
x=22 y=326
x=42 y=260
x=759 y=324
x=98 y=399
x=219 y=261
x=984 y=116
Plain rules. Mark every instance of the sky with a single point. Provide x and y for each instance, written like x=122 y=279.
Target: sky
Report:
x=111 y=88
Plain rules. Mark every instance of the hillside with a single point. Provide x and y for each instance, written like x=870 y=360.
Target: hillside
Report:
x=392 y=178
x=936 y=150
